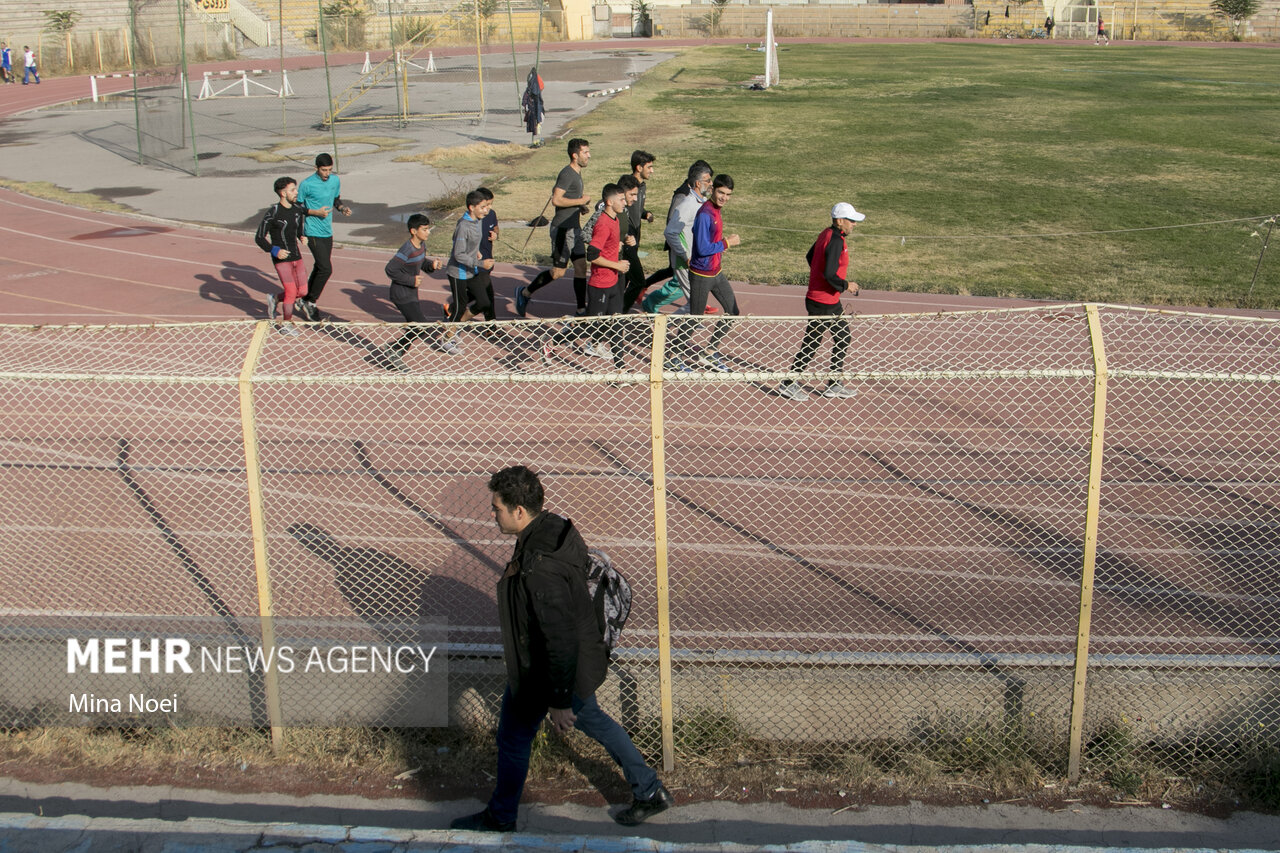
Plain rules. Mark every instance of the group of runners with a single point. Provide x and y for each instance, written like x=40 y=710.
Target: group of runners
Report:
x=602 y=251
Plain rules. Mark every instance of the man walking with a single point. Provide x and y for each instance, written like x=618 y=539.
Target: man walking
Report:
x=706 y=278
x=828 y=278
x=29 y=65
x=567 y=247
x=554 y=653
x=6 y=63
x=320 y=194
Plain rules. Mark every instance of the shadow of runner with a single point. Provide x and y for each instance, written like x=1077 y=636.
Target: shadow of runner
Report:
x=1014 y=687
x=362 y=456
x=1114 y=574
x=257 y=691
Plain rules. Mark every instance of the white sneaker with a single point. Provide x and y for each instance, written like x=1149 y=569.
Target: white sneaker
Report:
x=289 y=330
x=792 y=391
x=596 y=350
x=835 y=389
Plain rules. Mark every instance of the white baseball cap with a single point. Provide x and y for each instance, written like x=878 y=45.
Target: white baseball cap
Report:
x=844 y=210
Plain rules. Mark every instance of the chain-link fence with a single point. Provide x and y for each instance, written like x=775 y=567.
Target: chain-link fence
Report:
x=1043 y=535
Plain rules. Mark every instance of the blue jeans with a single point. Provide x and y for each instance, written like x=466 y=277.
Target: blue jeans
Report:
x=517 y=726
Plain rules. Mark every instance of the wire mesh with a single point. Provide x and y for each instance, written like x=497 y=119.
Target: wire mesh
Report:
x=897 y=570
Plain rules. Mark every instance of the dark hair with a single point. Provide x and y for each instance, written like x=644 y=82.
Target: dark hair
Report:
x=697 y=170
x=417 y=220
x=609 y=191
x=518 y=486
x=627 y=183
x=722 y=181
x=576 y=144
x=281 y=183
x=641 y=158
x=323 y=160
x=486 y=192
x=475 y=197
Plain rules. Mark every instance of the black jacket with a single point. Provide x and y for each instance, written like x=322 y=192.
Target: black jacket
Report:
x=550 y=637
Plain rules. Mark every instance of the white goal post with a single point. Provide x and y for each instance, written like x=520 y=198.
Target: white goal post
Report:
x=770 y=53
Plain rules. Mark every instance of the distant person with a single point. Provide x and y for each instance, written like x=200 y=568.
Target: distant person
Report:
x=29 y=65
x=567 y=247
x=554 y=653
x=321 y=195
x=280 y=234
x=405 y=269
x=1048 y=27
x=532 y=107
x=828 y=278
x=1101 y=38
x=470 y=290
x=707 y=278
x=6 y=62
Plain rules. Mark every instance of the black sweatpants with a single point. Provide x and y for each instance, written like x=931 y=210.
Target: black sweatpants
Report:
x=823 y=318
x=412 y=313
x=321 y=250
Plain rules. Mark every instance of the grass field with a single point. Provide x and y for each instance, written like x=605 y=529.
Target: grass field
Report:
x=989 y=169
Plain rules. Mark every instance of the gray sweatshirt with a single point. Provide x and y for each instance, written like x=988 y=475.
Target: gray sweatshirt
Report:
x=679 y=233
x=464 y=260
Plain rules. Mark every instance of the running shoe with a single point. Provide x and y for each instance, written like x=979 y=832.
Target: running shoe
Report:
x=675 y=365
x=792 y=391
x=391 y=359
x=838 y=391
x=522 y=300
x=448 y=346
x=546 y=351
x=596 y=350
x=289 y=330
x=711 y=309
x=272 y=299
x=713 y=360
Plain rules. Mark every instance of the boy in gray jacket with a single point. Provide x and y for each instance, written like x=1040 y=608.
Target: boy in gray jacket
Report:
x=471 y=292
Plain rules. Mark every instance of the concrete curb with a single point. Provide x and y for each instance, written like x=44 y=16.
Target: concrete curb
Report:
x=24 y=833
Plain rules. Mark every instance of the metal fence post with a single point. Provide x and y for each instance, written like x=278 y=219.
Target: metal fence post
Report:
x=658 y=446
x=253 y=475
x=1090 y=541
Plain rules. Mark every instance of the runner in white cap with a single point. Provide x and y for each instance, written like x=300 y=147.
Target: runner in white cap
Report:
x=828 y=278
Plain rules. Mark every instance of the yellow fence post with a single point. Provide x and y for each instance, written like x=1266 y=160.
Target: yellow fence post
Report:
x=253 y=474
x=1090 y=541
x=658 y=443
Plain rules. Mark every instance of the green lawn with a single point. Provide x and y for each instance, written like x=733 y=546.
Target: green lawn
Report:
x=965 y=150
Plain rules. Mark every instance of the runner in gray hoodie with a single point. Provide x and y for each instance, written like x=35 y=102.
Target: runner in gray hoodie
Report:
x=468 y=272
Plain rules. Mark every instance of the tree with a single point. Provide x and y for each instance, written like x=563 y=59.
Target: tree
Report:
x=60 y=21
x=713 y=17
x=1236 y=12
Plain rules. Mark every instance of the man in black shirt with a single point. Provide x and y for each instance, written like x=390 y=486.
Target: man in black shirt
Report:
x=641 y=170
x=554 y=653
x=567 y=247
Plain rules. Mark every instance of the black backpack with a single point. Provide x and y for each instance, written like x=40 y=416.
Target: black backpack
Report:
x=610 y=594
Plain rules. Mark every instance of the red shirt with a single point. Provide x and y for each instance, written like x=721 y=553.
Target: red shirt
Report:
x=605 y=238
x=820 y=289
